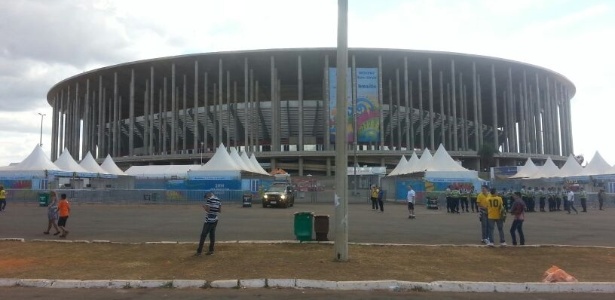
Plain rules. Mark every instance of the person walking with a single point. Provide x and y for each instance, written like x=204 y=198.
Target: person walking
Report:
x=482 y=201
x=601 y=198
x=213 y=207
x=374 y=197
x=64 y=212
x=52 y=213
x=518 y=211
x=494 y=214
x=410 y=196
x=381 y=199
x=583 y=196
x=570 y=201
x=2 y=198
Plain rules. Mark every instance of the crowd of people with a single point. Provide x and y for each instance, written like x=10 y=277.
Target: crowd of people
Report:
x=550 y=199
x=493 y=206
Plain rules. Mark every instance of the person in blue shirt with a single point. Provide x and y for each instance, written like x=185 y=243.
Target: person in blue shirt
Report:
x=381 y=199
x=213 y=207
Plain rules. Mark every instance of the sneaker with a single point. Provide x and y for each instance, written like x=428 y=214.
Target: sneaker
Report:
x=490 y=244
x=65 y=233
x=197 y=254
x=503 y=244
x=46 y=232
x=57 y=232
x=209 y=253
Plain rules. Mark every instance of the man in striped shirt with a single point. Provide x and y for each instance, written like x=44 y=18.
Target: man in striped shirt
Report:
x=213 y=207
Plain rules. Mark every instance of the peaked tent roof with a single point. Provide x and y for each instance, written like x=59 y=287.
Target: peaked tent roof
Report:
x=66 y=162
x=548 y=170
x=401 y=166
x=237 y=159
x=597 y=166
x=442 y=161
x=413 y=162
x=526 y=170
x=36 y=161
x=110 y=166
x=221 y=161
x=257 y=165
x=424 y=162
x=570 y=168
x=91 y=165
x=247 y=162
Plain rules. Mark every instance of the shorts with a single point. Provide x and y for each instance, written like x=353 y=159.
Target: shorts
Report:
x=62 y=221
x=410 y=205
x=52 y=215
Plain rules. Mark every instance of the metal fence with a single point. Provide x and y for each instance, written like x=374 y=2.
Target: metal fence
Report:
x=161 y=196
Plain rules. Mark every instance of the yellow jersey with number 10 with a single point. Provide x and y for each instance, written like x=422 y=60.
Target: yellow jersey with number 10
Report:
x=494 y=206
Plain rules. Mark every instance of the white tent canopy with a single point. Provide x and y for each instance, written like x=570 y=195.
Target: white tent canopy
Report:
x=66 y=162
x=237 y=159
x=257 y=165
x=548 y=170
x=110 y=166
x=526 y=170
x=570 y=168
x=37 y=160
x=91 y=165
x=220 y=161
x=401 y=166
x=37 y=164
x=424 y=162
x=442 y=161
x=597 y=166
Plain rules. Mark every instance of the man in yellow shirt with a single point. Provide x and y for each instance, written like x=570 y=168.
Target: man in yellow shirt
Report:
x=495 y=205
x=2 y=198
x=482 y=203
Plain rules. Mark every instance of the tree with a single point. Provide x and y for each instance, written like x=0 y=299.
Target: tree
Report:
x=486 y=152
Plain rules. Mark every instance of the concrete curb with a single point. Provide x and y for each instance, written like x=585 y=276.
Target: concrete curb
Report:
x=392 y=285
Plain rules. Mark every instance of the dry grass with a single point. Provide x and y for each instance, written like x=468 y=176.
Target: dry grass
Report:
x=306 y=261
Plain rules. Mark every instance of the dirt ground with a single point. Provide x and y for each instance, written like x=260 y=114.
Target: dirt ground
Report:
x=53 y=260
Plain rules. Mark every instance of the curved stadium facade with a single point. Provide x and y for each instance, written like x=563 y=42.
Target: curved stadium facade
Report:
x=280 y=105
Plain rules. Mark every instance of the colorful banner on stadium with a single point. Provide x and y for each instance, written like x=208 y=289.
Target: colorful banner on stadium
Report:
x=367 y=110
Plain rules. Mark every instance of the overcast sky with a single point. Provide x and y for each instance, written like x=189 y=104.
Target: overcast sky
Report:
x=43 y=42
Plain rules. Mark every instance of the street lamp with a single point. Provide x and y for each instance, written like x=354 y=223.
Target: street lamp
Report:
x=40 y=143
x=202 y=149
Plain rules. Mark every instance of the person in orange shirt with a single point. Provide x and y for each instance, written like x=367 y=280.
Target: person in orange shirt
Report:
x=64 y=212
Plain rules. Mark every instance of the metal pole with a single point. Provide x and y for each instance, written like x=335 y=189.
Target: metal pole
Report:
x=341 y=151
x=40 y=143
x=202 y=150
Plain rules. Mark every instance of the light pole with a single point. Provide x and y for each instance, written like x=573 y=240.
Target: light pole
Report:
x=40 y=143
x=202 y=149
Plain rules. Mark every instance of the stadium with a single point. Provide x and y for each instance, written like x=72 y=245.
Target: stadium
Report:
x=280 y=105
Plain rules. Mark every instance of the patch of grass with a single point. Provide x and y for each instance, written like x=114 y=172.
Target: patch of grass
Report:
x=304 y=261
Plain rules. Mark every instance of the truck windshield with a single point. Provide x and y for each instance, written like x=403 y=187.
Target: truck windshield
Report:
x=277 y=188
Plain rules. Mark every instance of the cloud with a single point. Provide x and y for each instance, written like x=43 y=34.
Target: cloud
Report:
x=47 y=42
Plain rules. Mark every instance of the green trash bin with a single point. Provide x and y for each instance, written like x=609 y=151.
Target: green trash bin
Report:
x=43 y=199
x=303 y=225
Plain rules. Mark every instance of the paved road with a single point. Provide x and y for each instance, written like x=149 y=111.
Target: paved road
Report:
x=143 y=223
